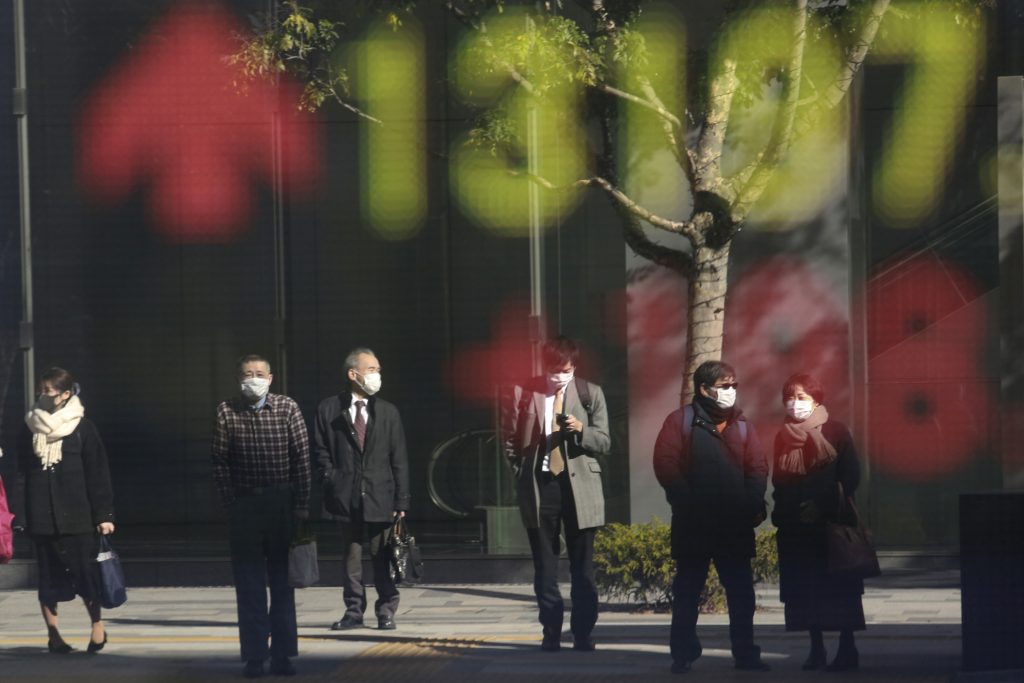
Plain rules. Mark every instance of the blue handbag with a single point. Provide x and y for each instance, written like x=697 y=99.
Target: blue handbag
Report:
x=112 y=593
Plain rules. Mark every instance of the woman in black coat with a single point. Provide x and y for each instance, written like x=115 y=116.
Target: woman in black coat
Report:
x=65 y=500
x=814 y=456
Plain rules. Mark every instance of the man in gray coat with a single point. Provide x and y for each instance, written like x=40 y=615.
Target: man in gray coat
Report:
x=561 y=424
x=364 y=471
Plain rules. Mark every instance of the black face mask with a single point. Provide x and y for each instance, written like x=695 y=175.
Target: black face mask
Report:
x=48 y=403
x=717 y=413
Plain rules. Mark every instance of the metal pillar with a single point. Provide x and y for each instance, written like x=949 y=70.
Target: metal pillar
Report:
x=280 y=239
x=20 y=111
x=536 y=234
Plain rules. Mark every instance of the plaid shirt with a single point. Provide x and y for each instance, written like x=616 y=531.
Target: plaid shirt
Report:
x=259 y=448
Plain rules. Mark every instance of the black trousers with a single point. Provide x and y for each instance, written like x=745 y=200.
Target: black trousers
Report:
x=557 y=510
x=738 y=581
x=261 y=530
x=353 y=535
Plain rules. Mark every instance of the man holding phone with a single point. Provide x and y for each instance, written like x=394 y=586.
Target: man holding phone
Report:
x=558 y=425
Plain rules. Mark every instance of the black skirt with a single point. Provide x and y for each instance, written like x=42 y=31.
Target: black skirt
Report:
x=813 y=598
x=67 y=567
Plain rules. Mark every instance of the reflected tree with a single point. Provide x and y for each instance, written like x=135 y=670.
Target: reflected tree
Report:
x=731 y=116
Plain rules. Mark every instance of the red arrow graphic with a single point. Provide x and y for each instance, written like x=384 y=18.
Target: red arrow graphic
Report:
x=167 y=121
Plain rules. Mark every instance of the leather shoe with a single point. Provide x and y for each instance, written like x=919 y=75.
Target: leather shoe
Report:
x=551 y=643
x=752 y=665
x=93 y=647
x=253 y=668
x=281 y=667
x=346 y=622
x=583 y=644
x=846 y=660
x=57 y=646
x=816 y=660
x=682 y=666
x=386 y=624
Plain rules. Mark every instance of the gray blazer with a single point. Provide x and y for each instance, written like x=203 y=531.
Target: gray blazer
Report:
x=529 y=444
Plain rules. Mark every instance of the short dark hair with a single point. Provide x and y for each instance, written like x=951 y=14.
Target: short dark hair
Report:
x=809 y=384
x=558 y=351
x=710 y=371
x=60 y=379
x=253 y=358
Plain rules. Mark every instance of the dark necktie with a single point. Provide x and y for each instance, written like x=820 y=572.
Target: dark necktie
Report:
x=556 y=462
x=360 y=424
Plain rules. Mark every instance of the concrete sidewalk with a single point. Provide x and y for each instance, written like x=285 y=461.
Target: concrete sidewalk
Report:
x=455 y=633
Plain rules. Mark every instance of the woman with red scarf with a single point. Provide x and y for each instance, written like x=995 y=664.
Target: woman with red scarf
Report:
x=814 y=460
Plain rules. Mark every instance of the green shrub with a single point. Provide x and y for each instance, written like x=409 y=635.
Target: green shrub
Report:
x=633 y=562
x=765 y=563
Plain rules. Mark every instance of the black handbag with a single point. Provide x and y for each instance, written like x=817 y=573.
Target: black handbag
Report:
x=112 y=587
x=303 y=566
x=405 y=564
x=851 y=552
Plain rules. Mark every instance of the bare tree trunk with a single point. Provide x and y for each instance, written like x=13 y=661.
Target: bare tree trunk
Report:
x=705 y=323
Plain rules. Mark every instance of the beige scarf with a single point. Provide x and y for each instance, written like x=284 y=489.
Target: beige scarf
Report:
x=49 y=429
x=794 y=438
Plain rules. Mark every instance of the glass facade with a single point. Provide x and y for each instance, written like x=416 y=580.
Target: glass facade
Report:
x=177 y=225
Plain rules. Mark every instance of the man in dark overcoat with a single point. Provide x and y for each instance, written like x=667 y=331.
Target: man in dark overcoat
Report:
x=714 y=472
x=360 y=452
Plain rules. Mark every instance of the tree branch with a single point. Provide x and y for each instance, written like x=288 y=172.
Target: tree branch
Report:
x=657 y=107
x=622 y=199
x=676 y=140
x=768 y=160
x=517 y=77
x=672 y=126
x=352 y=108
x=634 y=236
x=837 y=89
x=462 y=15
x=708 y=161
x=684 y=228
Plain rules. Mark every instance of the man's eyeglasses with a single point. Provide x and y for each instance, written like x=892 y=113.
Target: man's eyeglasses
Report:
x=730 y=385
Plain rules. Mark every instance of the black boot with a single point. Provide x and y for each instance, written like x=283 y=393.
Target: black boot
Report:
x=847 y=657
x=817 y=659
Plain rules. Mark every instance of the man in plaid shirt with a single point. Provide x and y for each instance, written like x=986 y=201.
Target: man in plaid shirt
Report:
x=261 y=468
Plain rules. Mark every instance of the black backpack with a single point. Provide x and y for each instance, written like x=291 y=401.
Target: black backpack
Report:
x=583 y=389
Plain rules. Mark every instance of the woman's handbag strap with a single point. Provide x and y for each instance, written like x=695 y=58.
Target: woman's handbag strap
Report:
x=849 y=501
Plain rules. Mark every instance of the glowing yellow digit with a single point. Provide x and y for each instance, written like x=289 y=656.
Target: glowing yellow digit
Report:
x=647 y=167
x=391 y=81
x=492 y=187
x=945 y=59
x=810 y=172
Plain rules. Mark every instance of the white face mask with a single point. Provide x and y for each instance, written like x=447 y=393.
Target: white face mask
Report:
x=799 y=410
x=560 y=379
x=725 y=398
x=371 y=383
x=255 y=388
